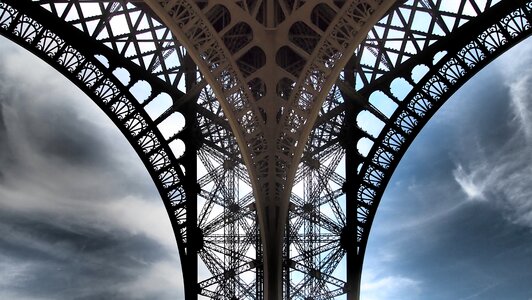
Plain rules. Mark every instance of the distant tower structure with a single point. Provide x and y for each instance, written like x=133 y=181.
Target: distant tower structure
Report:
x=270 y=127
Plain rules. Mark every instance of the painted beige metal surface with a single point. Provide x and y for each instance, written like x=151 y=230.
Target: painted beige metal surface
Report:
x=271 y=64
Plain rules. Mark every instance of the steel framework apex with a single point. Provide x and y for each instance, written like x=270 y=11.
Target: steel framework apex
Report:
x=270 y=127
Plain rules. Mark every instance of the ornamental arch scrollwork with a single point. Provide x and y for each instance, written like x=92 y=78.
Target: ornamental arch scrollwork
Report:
x=343 y=168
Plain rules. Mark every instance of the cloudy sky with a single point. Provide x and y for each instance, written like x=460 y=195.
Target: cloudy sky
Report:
x=81 y=219
x=456 y=220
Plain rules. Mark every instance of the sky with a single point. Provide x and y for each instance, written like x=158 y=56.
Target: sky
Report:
x=456 y=219
x=80 y=217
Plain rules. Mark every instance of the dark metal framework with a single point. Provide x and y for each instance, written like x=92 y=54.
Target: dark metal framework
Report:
x=411 y=62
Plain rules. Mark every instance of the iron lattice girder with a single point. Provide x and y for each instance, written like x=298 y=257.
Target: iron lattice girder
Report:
x=490 y=32
x=271 y=80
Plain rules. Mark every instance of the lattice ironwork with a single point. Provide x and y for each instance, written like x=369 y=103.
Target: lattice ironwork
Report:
x=204 y=132
x=245 y=61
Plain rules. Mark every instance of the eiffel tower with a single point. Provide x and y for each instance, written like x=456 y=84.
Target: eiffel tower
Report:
x=269 y=127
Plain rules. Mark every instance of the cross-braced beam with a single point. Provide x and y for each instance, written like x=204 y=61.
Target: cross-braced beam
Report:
x=271 y=78
x=365 y=119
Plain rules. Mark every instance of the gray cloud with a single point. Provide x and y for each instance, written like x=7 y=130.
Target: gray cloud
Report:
x=74 y=262
x=500 y=174
x=79 y=216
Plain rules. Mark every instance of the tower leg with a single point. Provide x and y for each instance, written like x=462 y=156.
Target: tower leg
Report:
x=194 y=236
x=350 y=237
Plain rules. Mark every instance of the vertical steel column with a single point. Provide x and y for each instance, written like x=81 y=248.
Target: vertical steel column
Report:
x=194 y=234
x=349 y=238
x=259 y=282
x=286 y=257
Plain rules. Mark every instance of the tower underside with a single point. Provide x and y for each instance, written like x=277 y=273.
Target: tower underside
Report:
x=271 y=64
x=292 y=116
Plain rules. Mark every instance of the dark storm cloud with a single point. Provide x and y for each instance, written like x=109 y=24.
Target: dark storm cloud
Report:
x=70 y=142
x=79 y=216
x=33 y=233
x=73 y=259
x=62 y=140
x=52 y=127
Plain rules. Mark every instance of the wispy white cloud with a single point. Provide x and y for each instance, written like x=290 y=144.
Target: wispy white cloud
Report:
x=521 y=103
x=483 y=291
x=502 y=175
x=11 y=273
x=138 y=216
x=378 y=286
x=159 y=281
x=501 y=178
x=470 y=183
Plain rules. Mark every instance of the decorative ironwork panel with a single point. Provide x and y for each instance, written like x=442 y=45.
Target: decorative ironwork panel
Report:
x=271 y=128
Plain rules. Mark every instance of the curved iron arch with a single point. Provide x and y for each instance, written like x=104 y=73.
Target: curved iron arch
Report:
x=363 y=188
x=79 y=59
x=464 y=59
x=68 y=47
x=451 y=62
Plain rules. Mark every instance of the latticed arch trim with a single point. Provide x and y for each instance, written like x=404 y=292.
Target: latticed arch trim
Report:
x=318 y=240
x=467 y=51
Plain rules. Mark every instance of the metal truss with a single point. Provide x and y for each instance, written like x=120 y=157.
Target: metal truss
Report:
x=191 y=92
x=270 y=79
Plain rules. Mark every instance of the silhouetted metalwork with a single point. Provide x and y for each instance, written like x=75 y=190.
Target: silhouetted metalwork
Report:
x=319 y=115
